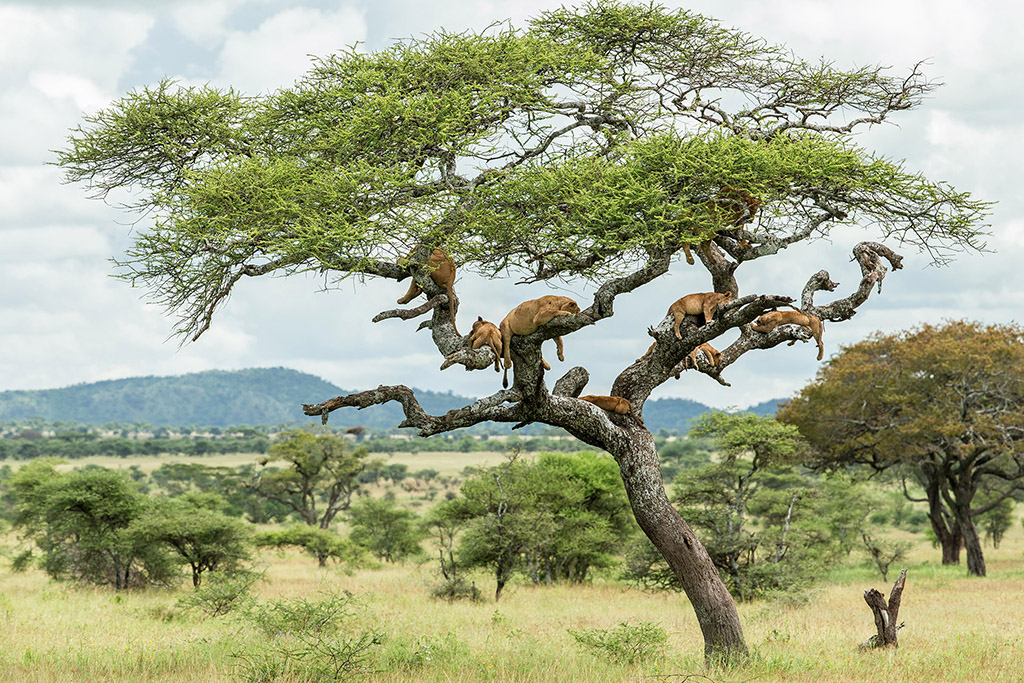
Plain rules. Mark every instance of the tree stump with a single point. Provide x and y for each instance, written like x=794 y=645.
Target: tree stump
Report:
x=885 y=615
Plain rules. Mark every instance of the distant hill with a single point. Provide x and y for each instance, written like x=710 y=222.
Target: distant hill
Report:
x=258 y=396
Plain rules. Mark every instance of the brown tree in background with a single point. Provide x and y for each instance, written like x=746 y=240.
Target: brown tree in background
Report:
x=941 y=406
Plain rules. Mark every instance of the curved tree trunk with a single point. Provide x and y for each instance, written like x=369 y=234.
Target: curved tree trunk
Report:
x=714 y=606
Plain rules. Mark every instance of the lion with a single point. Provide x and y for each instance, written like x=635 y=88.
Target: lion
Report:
x=613 y=404
x=713 y=355
x=527 y=317
x=442 y=271
x=487 y=334
x=696 y=304
x=772 y=319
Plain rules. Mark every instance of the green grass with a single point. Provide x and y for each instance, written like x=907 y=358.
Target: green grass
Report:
x=958 y=628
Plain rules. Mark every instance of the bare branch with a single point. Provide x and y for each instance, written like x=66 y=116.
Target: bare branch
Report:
x=408 y=313
x=873 y=271
x=490 y=408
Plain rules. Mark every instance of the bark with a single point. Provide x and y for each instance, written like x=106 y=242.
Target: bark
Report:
x=947 y=531
x=972 y=544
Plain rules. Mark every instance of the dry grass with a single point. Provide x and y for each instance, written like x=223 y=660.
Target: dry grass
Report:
x=958 y=629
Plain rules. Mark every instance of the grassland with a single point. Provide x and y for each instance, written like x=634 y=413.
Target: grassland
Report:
x=447 y=463
x=957 y=629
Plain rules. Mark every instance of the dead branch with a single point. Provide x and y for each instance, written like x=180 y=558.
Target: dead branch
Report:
x=490 y=408
x=409 y=313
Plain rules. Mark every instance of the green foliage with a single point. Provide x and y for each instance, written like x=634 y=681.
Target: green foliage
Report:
x=199 y=536
x=81 y=523
x=222 y=593
x=626 y=643
x=554 y=520
x=384 y=529
x=320 y=543
x=997 y=521
x=320 y=474
x=565 y=136
x=305 y=640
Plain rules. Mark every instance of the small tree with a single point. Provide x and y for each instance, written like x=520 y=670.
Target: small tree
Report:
x=80 y=521
x=385 y=529
x=321 y=543
x=200 y=537
x=320 y=475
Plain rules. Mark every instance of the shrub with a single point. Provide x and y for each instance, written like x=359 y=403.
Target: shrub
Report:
x=222 y=593
x=307 y=642
x=625 y=643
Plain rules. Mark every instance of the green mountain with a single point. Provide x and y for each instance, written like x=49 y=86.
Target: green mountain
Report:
x=259 y=396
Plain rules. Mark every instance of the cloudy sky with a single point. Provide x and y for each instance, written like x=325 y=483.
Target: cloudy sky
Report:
x=65 y=320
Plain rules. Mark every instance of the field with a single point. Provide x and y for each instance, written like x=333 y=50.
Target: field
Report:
x=957 y=628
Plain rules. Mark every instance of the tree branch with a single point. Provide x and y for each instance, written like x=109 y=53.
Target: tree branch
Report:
x=486 y=409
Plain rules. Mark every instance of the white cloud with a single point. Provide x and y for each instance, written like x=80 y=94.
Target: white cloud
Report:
x=204 y=22
x=277 y=52
x=89 y=42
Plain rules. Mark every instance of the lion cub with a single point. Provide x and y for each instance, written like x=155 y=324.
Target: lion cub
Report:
x=527 y=317
x=613 y=404
x=486 y=334
x=442 y=271
x=695 y=304
x=772 y=319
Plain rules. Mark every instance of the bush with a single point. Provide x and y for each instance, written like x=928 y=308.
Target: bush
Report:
x=456 y=589
x=222 y=593
x=307 y=643
x=624 y=644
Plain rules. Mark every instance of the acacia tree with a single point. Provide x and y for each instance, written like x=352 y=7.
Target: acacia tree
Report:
x=595 y=144
x=942 y=405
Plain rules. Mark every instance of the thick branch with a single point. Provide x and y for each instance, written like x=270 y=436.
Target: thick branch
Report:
x=486 y=409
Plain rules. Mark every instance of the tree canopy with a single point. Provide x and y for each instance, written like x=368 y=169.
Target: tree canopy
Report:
x=942 y=405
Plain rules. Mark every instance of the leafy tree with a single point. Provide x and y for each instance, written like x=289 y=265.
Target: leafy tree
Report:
x=765 y=526
x=553 y=519
x=589 y=513
x=940 y=405
x=80 y=521
x=199 y=535
x=320 y=475
x=390 y=532
x=321 y=543
x=501 y=522
x=595 y=144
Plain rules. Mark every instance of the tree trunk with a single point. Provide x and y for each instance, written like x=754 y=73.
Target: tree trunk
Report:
x=951 y=545
x=972 y=543
x=947 y=531
x=672 y=536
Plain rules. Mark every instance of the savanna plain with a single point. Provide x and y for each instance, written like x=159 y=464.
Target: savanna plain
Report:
x=957 y=628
